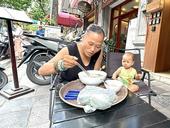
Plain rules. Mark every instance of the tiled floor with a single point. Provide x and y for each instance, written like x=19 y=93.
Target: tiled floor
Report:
x=31 y=110
x=162 y=76
x=27 y=111
x=162 y=100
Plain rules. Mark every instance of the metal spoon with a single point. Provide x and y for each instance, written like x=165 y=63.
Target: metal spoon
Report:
x=83 y=69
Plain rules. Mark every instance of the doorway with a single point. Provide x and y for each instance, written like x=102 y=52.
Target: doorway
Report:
x=120 y=17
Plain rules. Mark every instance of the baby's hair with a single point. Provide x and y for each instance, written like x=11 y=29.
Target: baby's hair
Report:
x=130 y=54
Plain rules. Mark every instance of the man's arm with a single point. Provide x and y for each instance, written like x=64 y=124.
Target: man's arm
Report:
x=52 y=65
x=49 y=67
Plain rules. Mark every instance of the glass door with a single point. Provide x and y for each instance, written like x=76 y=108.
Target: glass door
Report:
x=120 y=17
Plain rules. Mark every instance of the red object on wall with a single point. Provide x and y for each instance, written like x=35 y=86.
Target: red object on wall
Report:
x=69 y=20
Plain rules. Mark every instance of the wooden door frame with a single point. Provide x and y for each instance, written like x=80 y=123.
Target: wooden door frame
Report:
x=119 y=18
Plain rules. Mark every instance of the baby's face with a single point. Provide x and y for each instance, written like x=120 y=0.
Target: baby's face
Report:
x=127 y=61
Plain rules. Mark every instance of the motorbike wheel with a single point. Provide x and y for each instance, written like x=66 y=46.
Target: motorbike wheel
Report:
x=33 y=67
x=3 y=79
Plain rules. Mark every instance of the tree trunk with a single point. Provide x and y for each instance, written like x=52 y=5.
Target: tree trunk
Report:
x=54 y=12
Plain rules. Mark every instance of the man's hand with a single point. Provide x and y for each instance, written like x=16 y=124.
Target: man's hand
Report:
x=69 y=61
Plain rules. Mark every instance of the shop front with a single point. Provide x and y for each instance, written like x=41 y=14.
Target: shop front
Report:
x=151 y=32
x=122 y=11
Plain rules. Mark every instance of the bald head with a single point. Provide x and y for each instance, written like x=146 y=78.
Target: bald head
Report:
x=129 y=55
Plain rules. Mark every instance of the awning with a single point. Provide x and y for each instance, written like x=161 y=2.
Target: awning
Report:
x=69 y=20
x=15 y=15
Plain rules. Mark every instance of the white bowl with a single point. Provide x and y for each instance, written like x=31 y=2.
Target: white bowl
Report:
x=96 y=77
x=115 y=85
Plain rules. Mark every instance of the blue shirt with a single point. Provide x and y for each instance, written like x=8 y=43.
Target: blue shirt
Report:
x=40 y=32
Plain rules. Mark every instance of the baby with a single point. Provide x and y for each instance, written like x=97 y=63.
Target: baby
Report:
x=126 y=73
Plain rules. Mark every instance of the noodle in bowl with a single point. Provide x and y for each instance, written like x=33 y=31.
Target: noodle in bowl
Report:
x=95 y=78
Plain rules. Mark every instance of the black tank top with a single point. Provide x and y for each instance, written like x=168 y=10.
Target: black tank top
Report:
x=72 y=73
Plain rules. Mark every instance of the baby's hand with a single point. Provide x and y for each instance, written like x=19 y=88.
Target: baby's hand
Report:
x=138 y=76
x=114 y=77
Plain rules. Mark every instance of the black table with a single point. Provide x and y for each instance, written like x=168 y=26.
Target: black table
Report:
x=130 y=113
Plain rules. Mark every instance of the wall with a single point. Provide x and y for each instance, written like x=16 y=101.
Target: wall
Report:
x=131 y=33
x=139 y=27
x=105 y=20
x=157 y=46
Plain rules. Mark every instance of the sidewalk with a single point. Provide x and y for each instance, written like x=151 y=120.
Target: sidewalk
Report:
x=162 y=101
x=31 y=110
x=27 y=111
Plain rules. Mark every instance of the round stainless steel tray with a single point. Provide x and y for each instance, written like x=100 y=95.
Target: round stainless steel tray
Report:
x=77 y=85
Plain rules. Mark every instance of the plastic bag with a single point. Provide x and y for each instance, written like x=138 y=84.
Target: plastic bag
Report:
x=93 y=97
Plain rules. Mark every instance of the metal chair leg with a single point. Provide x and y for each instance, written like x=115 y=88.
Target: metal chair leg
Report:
x=149 y=99
x=55 y=83
x=52 y=106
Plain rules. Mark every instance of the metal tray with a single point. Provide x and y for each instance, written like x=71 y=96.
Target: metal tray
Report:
x=77 y=85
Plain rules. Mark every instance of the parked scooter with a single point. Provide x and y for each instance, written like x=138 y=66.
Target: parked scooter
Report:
x=4 y=47
x=40 y=52
x=3 y=78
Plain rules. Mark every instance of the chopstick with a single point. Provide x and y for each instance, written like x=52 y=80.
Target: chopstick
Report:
x=83 y=69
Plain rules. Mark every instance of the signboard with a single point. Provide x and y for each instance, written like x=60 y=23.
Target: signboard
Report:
x=52 y=31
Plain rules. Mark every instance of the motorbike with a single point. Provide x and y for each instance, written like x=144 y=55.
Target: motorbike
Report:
x=40 y=52
x=4 y=47
x=3 y=78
